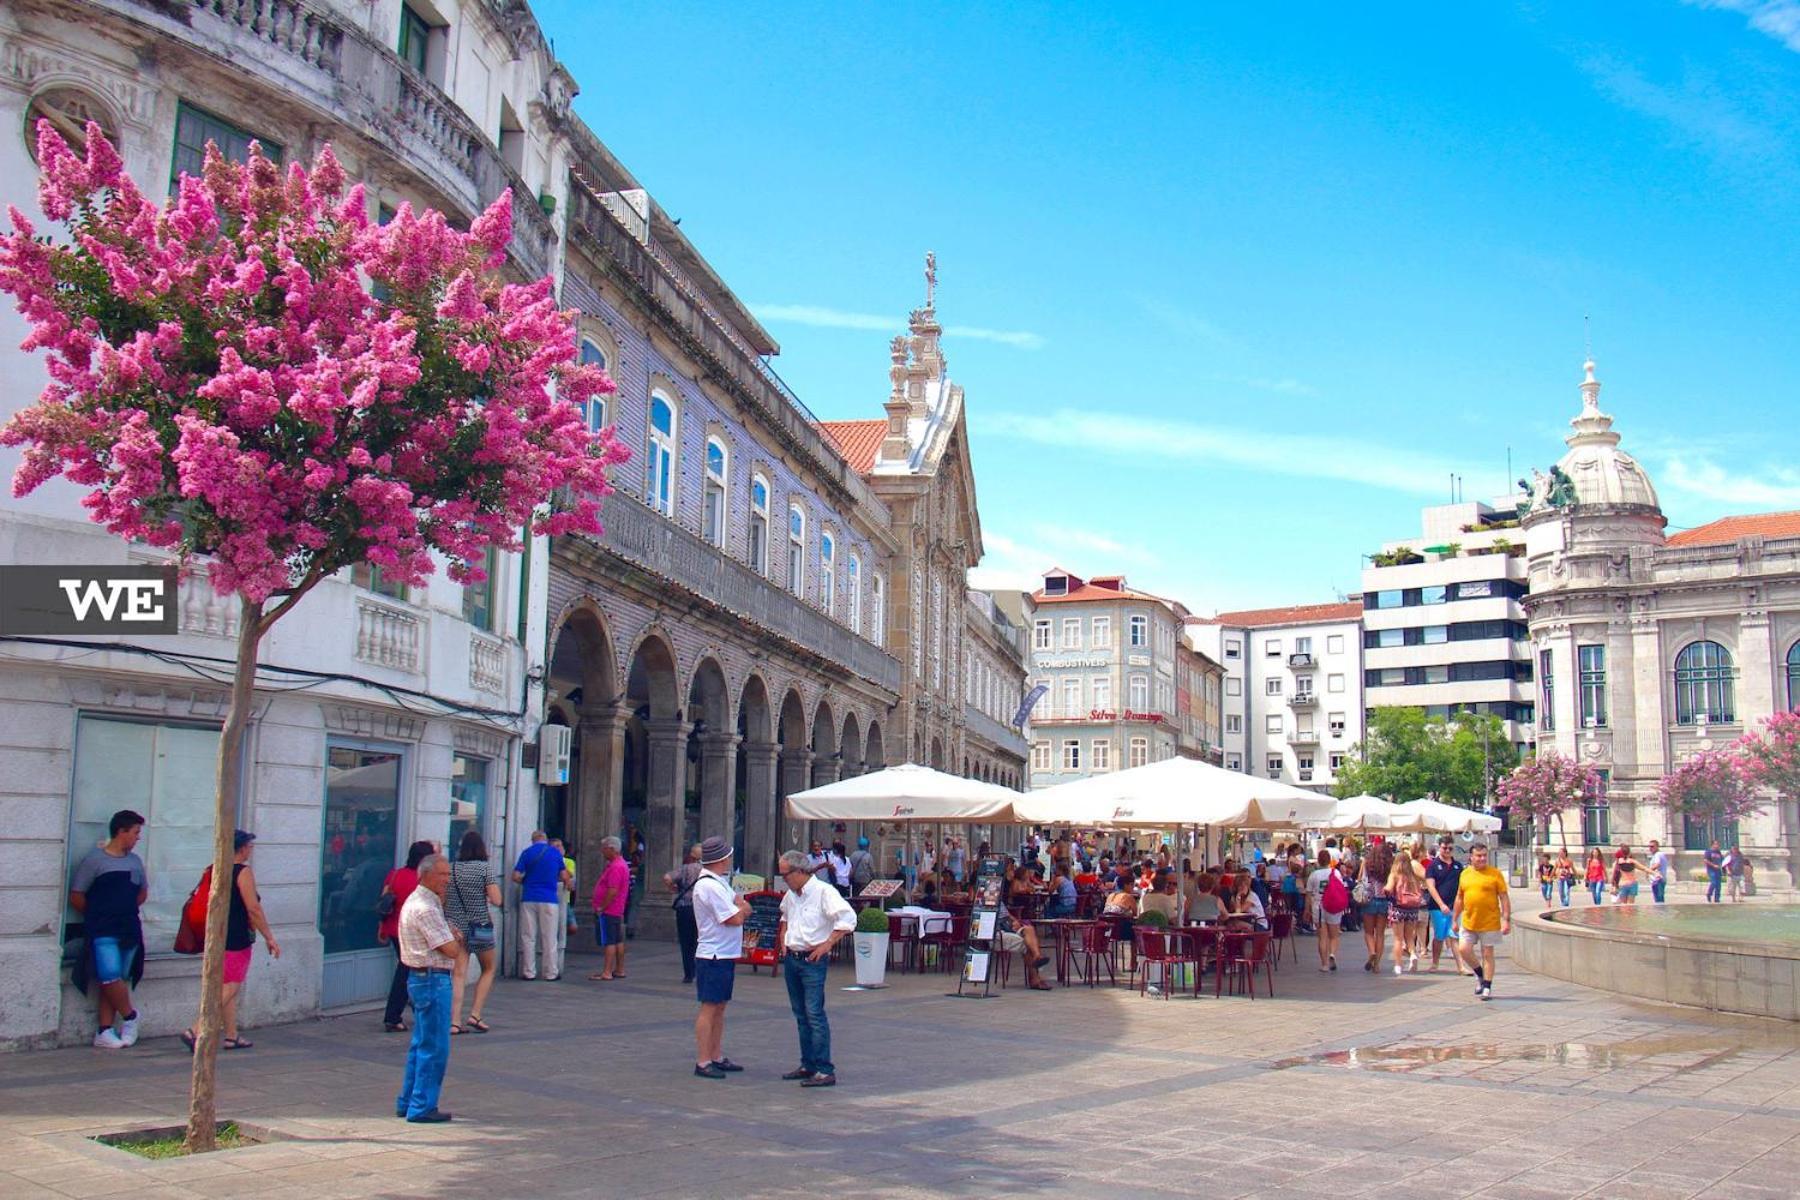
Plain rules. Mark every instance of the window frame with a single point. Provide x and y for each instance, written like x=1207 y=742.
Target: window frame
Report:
x=828 y=571
x=1071 y=754
x=1100 y=633
x=1590 y=662
x=1139 y=636
x=1138 y=751
x=757 y=548
x=478 y=599
x=660 y=456
x=1071 y=633
x=715 y=520
x=853 y=589
x=272 y=150
x=1703 y=687
x=593 y=409
x=796 y=543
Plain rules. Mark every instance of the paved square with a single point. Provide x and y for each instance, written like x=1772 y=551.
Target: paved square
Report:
x=1341 y=1086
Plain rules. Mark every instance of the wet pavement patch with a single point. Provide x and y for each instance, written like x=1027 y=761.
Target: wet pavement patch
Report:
x=1676 y=1054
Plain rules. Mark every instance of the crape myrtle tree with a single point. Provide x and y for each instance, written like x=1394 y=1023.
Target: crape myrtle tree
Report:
x=1709 y=786
x=258 y=375
x=1547 y=786
x=1769 y=756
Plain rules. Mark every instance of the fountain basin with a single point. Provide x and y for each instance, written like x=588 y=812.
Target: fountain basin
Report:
x=1730 y=958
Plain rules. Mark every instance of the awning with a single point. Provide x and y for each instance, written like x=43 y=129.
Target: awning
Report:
x=1173 y=793
x=905 y=793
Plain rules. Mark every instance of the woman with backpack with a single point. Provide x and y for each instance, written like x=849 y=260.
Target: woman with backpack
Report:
x=244 y=922
x=474 y=884
x=1331 y=897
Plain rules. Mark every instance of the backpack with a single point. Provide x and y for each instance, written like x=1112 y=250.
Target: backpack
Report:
x=1336 y=897
x=190 y=935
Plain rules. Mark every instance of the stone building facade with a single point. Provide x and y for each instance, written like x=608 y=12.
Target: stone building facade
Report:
x=383 y=714
x=1651 y=646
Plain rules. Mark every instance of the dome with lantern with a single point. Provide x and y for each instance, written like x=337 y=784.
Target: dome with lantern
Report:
x=1596 y=471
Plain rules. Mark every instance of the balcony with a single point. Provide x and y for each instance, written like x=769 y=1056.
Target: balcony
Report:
x=1305 y=774
x=1303 y=700
x=307 y=55
x=647 y=540
x=387 y=636
x=1303 y=737
x=1301 y=662
x=1006 y=738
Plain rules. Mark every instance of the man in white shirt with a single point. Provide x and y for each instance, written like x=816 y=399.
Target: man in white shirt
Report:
x=813 y=917
x=719 y=914
x=1662 y=869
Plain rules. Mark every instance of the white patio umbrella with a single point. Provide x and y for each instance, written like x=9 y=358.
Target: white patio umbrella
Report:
x=1372 y=812
x=1450 y=818
x=1172 y=793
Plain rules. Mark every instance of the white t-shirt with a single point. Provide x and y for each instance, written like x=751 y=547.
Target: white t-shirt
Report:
x=1258 y=916
x=1315 y=883
x=714 y=904
x=1659 y=866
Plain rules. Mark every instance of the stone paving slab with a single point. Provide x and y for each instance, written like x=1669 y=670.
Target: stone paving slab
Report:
x=585 y=1089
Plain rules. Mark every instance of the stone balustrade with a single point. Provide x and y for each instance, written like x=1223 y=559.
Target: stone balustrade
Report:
x=387 y=636
x=487 y=663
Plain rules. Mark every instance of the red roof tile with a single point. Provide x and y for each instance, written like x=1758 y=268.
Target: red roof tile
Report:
x=1294 y=614
x=860 y=441
x=1727 y=530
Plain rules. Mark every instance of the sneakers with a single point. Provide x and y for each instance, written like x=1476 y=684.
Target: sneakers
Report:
x=1480 y=983
x=820 y=1081
x=108 y=1039
x=725 y=1064
x=436 y=1116
x=128 y=1028
x=709 y=1071
x=1399 y=968
x=800 y=1073
x=1486 y=992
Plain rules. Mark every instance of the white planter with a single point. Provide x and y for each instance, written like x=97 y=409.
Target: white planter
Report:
x=871 y=958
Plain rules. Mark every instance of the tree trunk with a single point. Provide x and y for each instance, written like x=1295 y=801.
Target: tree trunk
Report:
x=202 y=1119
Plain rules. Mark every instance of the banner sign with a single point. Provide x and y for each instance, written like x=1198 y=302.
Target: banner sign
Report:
x=1031 y=698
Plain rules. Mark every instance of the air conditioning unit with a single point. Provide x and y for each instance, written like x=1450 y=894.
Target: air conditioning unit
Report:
x=553 y=754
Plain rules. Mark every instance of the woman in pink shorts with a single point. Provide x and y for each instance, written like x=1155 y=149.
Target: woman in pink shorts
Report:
x=241 y=927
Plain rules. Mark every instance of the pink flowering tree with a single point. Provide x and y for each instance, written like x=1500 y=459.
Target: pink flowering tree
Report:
x=1769 y=756
x=225 y=383
x=1547 y=786
x=1711 y=785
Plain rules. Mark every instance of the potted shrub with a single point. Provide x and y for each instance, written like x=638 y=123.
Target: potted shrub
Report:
x=871 y=938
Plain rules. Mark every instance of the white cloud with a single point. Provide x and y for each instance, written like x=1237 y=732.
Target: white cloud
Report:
x=1391 y=468
x=1780 y=19
x=1009 y=565
x=1080 y=539
x=1769 y=487
x=837 y=318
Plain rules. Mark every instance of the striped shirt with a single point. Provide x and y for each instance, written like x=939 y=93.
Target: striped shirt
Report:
x=423 y=927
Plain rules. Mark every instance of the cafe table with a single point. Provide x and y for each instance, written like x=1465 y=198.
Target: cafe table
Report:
x=1067 y=930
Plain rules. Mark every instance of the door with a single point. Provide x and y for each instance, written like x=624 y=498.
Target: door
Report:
x=359 y=848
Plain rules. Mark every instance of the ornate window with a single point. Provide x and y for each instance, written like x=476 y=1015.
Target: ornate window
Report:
x=853 y=584
x=713 y=512
x=1793 y=676
x=593 y=409
x=68 y=109
x=1593 y=687
x=937 y=632
x=878 y=609
x=917 y=600
x=1140 y=631
x=659 y=463
x=1703 y=684
x=1546 y=690
x=828 y=572
x=796 y=551
x=195 y=127
x=759 y=525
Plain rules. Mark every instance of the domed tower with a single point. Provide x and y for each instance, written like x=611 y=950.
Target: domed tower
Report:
x=1583 y=519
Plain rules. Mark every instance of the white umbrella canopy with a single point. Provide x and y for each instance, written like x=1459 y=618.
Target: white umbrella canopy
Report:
x=905 y=793
x=1372 y=812
x=1174 y=792
x=1449 y=818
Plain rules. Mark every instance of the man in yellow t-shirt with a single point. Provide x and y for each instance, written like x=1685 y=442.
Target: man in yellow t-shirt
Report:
x=1484 y=913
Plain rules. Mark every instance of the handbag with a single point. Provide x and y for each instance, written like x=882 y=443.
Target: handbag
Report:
x=481 y=932
x=384 y=905
x=1360 y=893
x=190 y=934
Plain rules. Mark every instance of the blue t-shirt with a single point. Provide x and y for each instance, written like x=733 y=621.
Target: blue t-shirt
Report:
x=542 y=868
x=1715 y=863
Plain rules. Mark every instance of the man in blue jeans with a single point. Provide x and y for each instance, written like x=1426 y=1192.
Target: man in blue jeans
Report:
x=1715 y=872
x=431 y=950
x=814 y=915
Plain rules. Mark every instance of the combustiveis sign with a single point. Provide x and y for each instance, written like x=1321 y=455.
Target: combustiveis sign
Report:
x=41 y=601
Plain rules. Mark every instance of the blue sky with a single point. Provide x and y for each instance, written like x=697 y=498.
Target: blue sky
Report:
x=1234 y=289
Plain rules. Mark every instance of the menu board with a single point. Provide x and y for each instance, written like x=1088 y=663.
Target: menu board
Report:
x=762 y=927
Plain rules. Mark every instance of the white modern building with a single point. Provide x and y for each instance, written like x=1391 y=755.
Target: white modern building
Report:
x=1293 y=700
x=1444 y=619
x=1107 y=656
x=1651 y=647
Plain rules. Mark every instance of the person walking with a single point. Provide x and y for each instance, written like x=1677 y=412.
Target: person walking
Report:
x=540 y=874
x=1406 y=886
x=108 y=888
x=431 y=950
x=242 y=924
x=474 y=885
x=1595 y=875
x=839 y=862
x=1377 y=864
x=1565 y=876
x=862 y=866
x=1484 y=911
x=612 y=894
x=719 y=916
x=1441 y=877
x=1662 y=868
x=813 y=918
x=1734 y=874
x=398 y=885
x=1330 y=898
x=681 y=882
x=1625 y=870
x=1715 y=872
x=1546 y=877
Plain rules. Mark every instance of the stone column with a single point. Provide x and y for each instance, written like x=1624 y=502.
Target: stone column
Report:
x=665 y=804
x=718 y=783
x=796 y=776
x=1650 y=741
x=601 y=788
x=761 y=815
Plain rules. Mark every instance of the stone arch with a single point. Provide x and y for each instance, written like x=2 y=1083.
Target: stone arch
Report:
x=654 y=779
x=712 y=755
x=873 y=756
x=583 y=680
x=754 y=815
x=794 y=771
x=937 y=754
x=850 y=745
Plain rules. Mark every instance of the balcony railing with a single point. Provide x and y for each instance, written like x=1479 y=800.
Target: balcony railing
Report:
x=1301 y=662
x=658 y=545
x=387 y=636
x=1003 y=736
x=1303 y=737
x=1305 y=774
x=1303 y=700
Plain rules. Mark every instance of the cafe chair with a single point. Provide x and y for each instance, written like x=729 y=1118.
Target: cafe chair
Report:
x=1240 y=955
x=903 y=938
x=1095 y=950
x=1281 y=929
